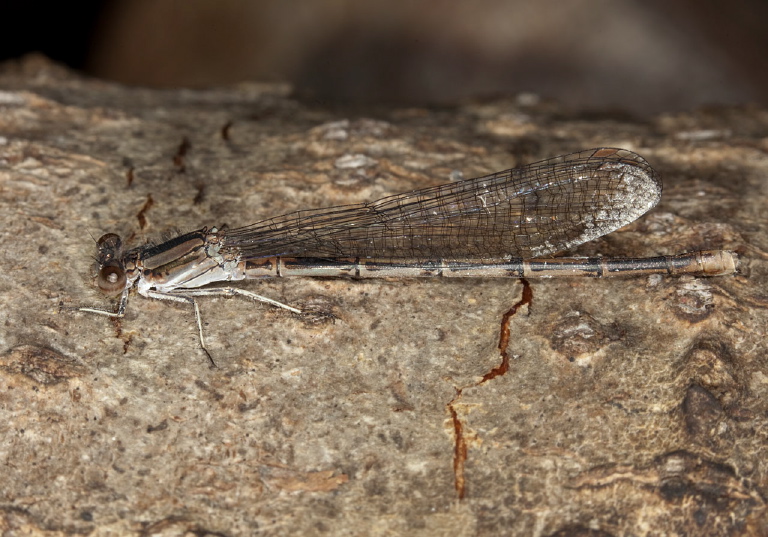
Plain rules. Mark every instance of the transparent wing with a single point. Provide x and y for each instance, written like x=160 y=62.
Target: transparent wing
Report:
x=531 y=211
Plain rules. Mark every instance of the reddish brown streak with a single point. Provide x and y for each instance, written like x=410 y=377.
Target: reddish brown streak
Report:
x=141 y=216
x=225 y=131
x=200 y=194
x=178 y=158
x=503 y=367
x=460 y=450
x=119 y=334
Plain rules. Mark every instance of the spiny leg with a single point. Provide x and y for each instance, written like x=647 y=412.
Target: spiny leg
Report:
x=187 y=295
x=200 y=332
x=232 y=291
x=189 y=300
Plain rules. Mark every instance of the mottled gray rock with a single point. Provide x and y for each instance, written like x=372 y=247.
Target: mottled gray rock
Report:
x=629 y=407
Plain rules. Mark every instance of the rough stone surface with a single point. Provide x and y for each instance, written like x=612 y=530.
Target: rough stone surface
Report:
x=628 y=407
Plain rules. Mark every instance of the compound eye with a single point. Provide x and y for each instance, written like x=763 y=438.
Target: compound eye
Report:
x=111 y=279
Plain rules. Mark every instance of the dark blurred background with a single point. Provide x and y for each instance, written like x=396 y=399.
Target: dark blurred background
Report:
x=643 y=56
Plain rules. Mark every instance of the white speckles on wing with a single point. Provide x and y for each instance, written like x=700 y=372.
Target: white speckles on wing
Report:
x=531 y=211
